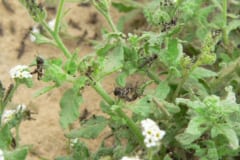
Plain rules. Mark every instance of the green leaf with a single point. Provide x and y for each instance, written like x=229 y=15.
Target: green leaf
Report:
x=212 y=152
x=104 y=50
x=228 y=132
x=5 y=137
x=234 y=24
x=91 y=129
x=114 y=60
x=70 y=104
x=162 y=90
x=121 y=7
x=200 y=72
x=80 y=151
x=186 y=138
x=173 y=54
x=64 y=158
x=143 y=107
x=195 y=126
x=18 y=154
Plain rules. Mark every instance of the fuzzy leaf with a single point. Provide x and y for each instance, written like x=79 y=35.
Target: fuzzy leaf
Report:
x=69 y=103
x=200 y=72
x=114 y=60
x=162 y=90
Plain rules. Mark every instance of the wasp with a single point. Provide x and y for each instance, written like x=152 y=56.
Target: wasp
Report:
x=148 y=60
x=128 y=93
x=39 y=69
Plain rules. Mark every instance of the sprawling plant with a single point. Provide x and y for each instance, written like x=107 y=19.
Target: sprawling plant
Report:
x=185 y=52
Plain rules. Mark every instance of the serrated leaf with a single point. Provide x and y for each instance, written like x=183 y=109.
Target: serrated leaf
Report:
x=70 y=103
x=18 y=154
x=91 y=129
x=162 y=90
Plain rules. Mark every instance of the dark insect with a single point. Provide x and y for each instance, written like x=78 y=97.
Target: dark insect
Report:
x=74 y=24
x=128 y=93
x=27 y=114
x=89 y=72
x=39 y=69
x=93 y=18
x=7 y=6
x=168 y=25
x=148 y=60
x=84 y=115
x=21 y=49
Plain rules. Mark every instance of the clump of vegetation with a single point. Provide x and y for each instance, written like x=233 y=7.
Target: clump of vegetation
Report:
x=188 y=50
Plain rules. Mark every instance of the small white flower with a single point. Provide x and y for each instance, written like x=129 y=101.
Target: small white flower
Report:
x=152 y=133
x=20 y=71
x=35 y=30
x=130 y=158
x=8 y=115
x=51 y=24
x=1 y=155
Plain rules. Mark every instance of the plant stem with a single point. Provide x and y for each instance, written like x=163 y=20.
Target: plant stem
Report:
x=136 y=131
x=149 y=154
x=225 y=35
x=153 y=76
x=59 y=16
x=110 y=21
x=57 y=39
x=99 y=89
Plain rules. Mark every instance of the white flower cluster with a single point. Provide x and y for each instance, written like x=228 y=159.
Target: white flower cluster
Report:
x=20 y=71
x=130 y=158
x=1 y=155
x=9 y=114
x=152 y=133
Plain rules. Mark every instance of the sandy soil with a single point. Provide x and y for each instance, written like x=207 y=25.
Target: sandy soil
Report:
x=45 y=134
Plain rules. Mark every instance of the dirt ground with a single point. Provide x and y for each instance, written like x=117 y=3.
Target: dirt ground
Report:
x=45 y=134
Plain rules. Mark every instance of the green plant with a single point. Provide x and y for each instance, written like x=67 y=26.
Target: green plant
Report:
x=181 y=53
